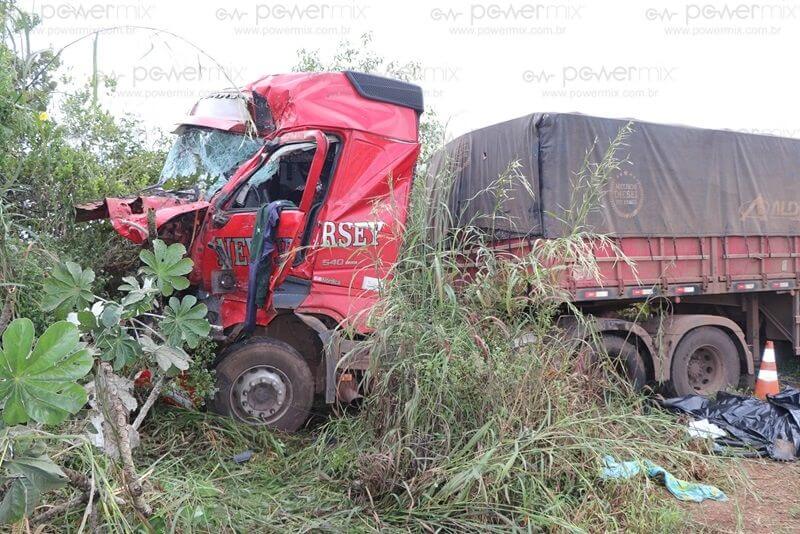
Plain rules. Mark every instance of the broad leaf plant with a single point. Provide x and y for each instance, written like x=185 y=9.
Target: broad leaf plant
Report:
x=42 y=382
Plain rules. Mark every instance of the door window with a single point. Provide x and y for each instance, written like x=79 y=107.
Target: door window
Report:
x=282 y=177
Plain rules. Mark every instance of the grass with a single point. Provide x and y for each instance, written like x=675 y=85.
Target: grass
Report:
x=323 y=481
x=789 y=371
x=314 y=482
x=464 y=429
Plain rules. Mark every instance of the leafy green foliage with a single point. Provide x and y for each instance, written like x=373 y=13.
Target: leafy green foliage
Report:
x=38 y=380
x=200 y=378
x=19 y=500
x=46 y=167
x=54 y=154
x=169 y=359
x=29 y=473
x=111 y=315
x=68 y=289
x=167 y=265
x=108 y=324
x=185 y=321
x=87 y=322
x=39 y=383
x=118 y=347
x=139 y=297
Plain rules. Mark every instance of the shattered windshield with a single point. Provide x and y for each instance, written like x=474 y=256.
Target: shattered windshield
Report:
x=205 y=159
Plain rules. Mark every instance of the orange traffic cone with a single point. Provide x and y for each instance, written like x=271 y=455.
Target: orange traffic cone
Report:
x=767 y=382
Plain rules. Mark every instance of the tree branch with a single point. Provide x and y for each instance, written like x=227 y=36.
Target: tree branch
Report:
x=53 y=511
x=8 y=309
x=116 y=417
x=79 y=480
x=151 y=399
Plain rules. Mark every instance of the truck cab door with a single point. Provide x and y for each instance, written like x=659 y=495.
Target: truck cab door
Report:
x=290 y=172
x=290 y=235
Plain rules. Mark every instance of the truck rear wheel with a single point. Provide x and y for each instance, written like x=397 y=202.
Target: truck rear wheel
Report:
x=264 y=381
x=705 y=361
x=626 y=358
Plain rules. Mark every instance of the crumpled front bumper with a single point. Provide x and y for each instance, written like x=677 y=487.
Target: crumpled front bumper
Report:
x=129 y=216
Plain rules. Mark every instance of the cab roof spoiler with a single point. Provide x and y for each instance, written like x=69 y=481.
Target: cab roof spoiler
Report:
x=386 y=90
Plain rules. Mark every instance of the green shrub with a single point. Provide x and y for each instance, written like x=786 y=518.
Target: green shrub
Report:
x=48 y=165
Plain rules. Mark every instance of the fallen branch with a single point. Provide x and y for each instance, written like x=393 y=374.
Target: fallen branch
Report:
x=8 y=309
x=53 y=511
x=79 y=480
x=151 y=399
x=116 y=417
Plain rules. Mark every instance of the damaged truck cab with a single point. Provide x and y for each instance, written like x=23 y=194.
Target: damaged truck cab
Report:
x=336 y=152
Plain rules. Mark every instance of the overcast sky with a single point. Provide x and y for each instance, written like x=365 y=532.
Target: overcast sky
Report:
x=712 y=64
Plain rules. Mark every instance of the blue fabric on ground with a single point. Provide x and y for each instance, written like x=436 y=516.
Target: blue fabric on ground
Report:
x=681 y=489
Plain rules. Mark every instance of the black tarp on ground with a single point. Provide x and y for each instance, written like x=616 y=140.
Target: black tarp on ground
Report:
x=748 y=421
x=681 y=182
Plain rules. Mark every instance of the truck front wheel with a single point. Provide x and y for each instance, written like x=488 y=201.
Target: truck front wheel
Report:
x=264 y=381
x=705 y=361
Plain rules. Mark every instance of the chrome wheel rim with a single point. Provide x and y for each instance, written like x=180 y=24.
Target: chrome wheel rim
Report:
x=261 y=395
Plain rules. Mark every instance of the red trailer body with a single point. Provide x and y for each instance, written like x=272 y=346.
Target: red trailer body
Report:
x=691 y=266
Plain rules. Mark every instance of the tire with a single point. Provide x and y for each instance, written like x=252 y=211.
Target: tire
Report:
x=627 y=359
x=705 y=361
x=263 y=381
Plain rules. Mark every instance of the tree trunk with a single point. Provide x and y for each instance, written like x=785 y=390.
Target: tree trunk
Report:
x=116 y=419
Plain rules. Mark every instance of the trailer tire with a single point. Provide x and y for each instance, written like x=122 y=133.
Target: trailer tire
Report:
x=705 y=361
x=263 y=381
x=627 y=357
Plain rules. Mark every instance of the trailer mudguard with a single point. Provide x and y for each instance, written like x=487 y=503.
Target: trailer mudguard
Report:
x=674 y=327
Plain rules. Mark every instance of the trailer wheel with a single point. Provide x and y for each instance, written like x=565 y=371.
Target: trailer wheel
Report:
x=264 y=381
x=626 y=357
x=705 y=361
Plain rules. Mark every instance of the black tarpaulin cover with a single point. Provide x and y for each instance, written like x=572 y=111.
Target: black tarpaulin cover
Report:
x=748 y=421
x=682 y=181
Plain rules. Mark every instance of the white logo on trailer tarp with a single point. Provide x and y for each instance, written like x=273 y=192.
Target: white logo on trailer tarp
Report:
x=351 y=234
x=764 y=209
x=627 y=194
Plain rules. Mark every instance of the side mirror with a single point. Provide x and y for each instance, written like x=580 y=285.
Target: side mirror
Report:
x=220 y=219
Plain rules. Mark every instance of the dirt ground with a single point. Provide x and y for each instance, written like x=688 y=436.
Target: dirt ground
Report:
x=770 y=505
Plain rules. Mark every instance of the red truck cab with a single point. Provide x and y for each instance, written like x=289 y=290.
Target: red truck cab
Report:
x=340 y=149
